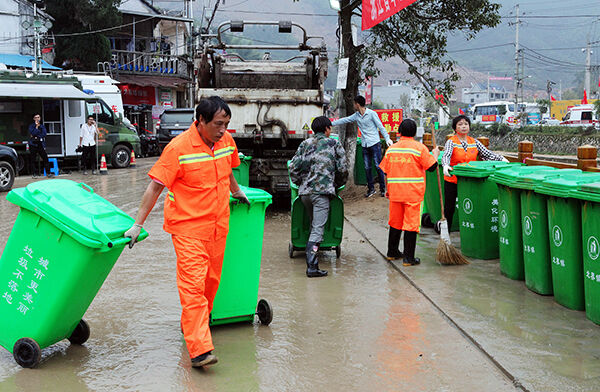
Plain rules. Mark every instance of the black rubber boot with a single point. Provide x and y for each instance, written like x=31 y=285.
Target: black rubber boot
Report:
x=410 y=244
x=393 y=242
x=312 y=261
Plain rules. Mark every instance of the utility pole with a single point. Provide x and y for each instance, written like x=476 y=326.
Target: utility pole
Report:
x=588 y=67
x=517 y=77
x=488 y=88
x=37 y=48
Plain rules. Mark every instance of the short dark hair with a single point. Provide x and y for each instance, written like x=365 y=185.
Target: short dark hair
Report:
x=88 y=117
x=408 y=128
x=456 y=119
x=320 y=124
x=359 y=99
x=208 y=107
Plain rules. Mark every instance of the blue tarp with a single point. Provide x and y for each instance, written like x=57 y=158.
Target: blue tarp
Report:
x=23 y=61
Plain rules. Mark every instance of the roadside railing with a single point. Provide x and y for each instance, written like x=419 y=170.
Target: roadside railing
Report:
x=149 y=63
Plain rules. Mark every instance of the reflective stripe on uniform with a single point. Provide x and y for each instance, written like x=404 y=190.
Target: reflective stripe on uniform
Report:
x=171 y=196
x=203 y=157
x=406 y=180
x=468 y=145
x=403 y=150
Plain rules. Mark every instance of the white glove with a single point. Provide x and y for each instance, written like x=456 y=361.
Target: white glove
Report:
x=133 y=233
x=389 y=142
x=241 y=196
x=505 y=160
x=447 y=170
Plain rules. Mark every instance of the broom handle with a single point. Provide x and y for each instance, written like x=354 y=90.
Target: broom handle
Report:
x=437 y=171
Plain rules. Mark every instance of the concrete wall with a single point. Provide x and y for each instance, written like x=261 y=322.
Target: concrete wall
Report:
x=10 y=27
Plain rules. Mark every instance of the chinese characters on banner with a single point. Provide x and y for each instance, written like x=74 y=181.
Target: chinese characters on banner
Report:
x=376 y=11
x=390 y=118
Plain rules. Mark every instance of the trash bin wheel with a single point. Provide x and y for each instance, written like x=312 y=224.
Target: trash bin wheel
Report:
x=264 y=312
x=436 y=227
x=81 y=333
x=27 y=352
x=426 y=220
x=338 y=251
x=291 y=250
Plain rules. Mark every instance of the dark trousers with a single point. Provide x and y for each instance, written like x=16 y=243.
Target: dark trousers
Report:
x=450 y=194
x=34 y=151
x=370 y=155
x=88 y=157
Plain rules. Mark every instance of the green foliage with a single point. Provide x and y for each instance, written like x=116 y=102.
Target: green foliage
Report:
x=377 y=105
x=502 y=110
x=418 y=36
x=544 y=105
x=597 y=108
x=73 y=17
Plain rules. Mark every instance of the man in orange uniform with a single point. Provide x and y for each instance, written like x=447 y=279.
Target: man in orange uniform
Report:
x=196 y=169
x=404 y=164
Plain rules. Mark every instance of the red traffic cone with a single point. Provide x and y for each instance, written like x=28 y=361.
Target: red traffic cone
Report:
x=132 y=161
x=103 y=168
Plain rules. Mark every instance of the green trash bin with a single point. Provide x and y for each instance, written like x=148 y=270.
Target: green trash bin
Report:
x=433 y=210
x=236 y=299
x=478 y=208
x=590 y=232
x=62 y=247
x=509 y=218
x=360 y=174
x=242 y=172
x=534 y=224
x=564 y=226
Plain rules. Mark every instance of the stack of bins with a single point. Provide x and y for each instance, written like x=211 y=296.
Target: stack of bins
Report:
x=64 y=243
x=478 y=208
x=589 y=194
x=236 y=299
x=509 y=219
x=534 y=222
x=564 y=225
x=432 y=196
x=242 y=172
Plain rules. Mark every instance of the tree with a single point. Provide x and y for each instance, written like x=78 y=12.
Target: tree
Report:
x=404 y=101
x=544 y=104
x=418 y=36
x=78 y=45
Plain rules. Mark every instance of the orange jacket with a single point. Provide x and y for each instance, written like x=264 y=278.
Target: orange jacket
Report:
x=459 y=155
x=404 y=164
x=197 y=204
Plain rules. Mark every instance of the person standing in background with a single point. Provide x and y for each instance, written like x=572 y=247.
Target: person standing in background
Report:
x=37 y=146
x=87 y=141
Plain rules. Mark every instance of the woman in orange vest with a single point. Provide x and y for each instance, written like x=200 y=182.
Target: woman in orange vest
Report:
x=404 y=164
x=461 y=148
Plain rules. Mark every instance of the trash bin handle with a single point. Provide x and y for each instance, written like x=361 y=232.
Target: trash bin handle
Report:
x=86 y=187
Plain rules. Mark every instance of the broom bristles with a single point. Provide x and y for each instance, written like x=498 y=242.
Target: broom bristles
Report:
x=448 y=255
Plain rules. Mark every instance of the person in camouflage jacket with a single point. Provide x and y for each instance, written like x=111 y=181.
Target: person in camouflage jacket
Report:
x=318 y=168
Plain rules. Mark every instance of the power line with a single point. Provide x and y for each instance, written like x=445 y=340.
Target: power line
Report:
x=480 y=48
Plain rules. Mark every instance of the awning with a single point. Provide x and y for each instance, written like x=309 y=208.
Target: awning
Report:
x=152 y=81
x=23 y=61
x=40 y=90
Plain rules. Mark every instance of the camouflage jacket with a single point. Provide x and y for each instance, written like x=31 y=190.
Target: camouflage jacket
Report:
x=319 y=166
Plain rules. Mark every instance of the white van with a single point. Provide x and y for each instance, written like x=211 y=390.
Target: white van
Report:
x=103 y=86
x=580 y=116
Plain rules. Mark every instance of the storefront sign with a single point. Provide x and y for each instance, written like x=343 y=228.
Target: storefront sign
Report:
x=137 y=95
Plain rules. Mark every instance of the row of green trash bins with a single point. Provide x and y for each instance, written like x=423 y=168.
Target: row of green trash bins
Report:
x=64 y=243
x=542 y=222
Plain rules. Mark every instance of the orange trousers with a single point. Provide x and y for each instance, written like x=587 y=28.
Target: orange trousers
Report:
x=199 y=265
x=405 y=216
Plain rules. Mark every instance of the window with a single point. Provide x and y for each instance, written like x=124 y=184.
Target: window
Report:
x=100 y=109
x=586 y=115
x=74 y=108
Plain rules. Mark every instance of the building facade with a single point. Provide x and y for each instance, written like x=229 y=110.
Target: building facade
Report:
x=480 y=93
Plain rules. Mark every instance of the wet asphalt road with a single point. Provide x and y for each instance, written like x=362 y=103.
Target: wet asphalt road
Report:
x=363 y=328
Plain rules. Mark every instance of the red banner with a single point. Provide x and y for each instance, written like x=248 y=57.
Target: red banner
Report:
x=137 y=95
x=390 y=118
x=376 y=11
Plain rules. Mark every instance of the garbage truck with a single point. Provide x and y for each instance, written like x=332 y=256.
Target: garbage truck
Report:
x=273 y=101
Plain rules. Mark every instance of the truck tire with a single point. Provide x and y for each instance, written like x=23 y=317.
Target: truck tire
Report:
x=121 y=156
x=7 y=176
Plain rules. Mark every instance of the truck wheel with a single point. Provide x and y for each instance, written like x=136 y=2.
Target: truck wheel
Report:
x=121 y=155
x=81 y=333
x=7 y=176
x=27 y=353
x=20 y=163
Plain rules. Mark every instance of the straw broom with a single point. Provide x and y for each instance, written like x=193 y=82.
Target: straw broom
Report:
x=446 y=253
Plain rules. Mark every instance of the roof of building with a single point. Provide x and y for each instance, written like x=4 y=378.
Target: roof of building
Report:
x=23 y=61
x=144 y=8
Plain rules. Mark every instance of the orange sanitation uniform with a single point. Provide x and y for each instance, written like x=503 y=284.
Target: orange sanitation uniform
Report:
x=197 y=216
x=459 y=155
x=404 y=164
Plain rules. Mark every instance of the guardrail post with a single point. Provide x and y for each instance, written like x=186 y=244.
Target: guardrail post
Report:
x=525 y=150
x=586 y=156
x=428 y=141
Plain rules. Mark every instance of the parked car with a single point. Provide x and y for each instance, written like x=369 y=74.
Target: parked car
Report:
x=8 y=167
x=172 y=123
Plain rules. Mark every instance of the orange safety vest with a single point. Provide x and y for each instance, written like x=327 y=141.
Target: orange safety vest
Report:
x=197 y=204
x=404 y=164
x=459 y=155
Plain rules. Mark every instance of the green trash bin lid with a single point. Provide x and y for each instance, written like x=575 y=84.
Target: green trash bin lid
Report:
x=511 y=176
x=531 y=180
x=565 y=185
x=588 y=191
x=244 y=157
x=254 y=195
x=77 y=210
x=480 y=169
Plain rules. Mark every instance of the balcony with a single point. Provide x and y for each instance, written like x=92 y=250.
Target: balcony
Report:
x=152 y=64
